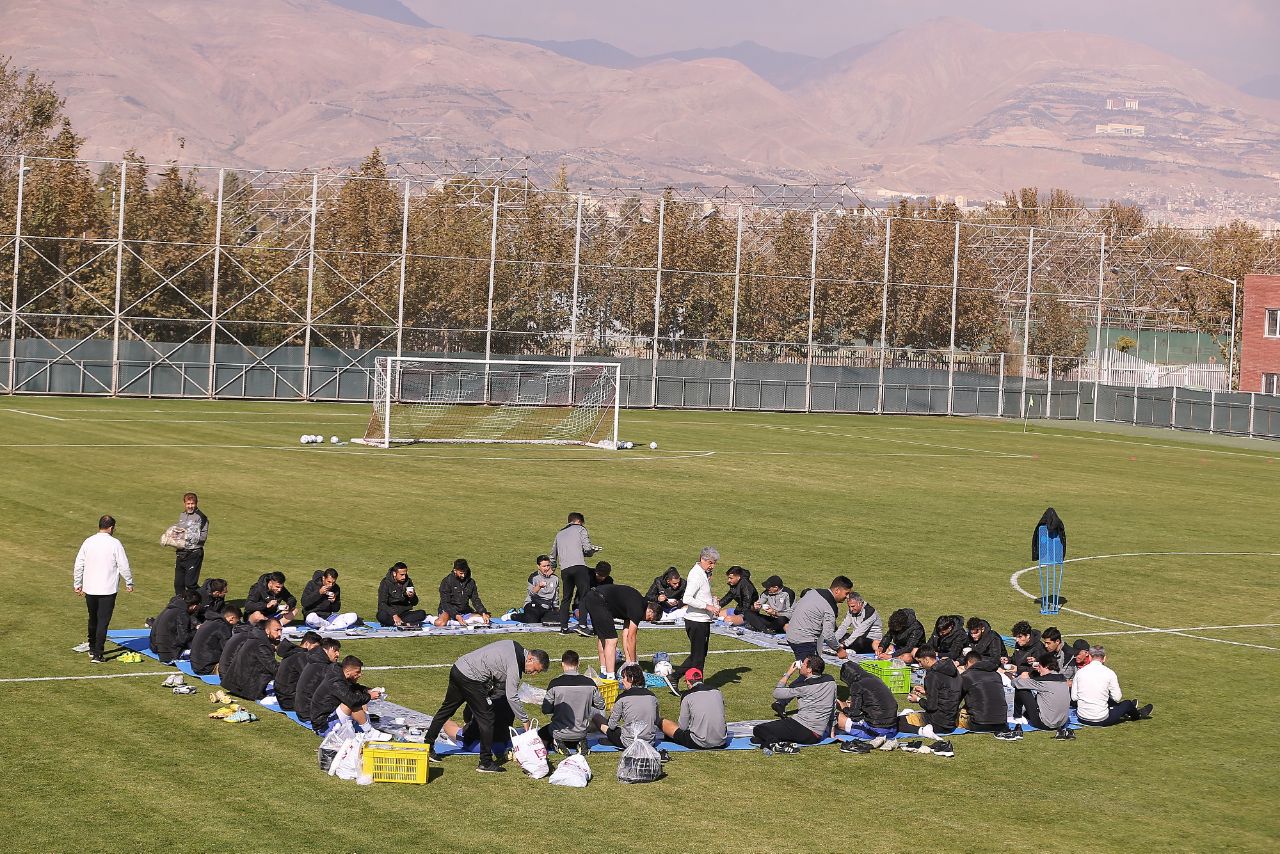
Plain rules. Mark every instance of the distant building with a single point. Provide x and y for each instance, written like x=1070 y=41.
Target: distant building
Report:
x=1131 y=103
x=1116 y=129
x=1122 y=103
x=1260 y=335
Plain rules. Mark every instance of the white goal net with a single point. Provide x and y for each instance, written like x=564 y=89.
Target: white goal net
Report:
x=466 y=400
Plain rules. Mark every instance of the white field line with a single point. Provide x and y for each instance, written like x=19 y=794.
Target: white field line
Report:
x=1187 y=629
x=171 y=671
x=1013 y=581
x=1119 y=441
x=35 y=414
x=804 y=430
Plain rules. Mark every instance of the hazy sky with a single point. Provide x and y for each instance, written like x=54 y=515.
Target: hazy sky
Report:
x=1236 y=40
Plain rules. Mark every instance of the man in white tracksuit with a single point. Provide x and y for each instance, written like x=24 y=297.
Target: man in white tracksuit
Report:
x=98 y=568
x=701 y=607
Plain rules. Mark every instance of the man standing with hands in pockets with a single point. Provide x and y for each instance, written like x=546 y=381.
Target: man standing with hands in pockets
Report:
x=99 y=565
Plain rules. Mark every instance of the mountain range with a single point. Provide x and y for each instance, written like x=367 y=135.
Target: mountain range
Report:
x=946 y=107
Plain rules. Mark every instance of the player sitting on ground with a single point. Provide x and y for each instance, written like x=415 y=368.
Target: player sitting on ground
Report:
x=983 y=695
x=871 y=711
x=397 y=599
x=1096 y=690
x=702 y=724
x=460 y=597
x=986 y=642
x=635 y=713
x=939 y=697
x=543 y=597
x=903 y=636
x=1027 y=646
x=319 y=662
x=813 y=619
x=322 y=602
x=211 y=638
x=949 y=637
x=252 y=664
x=340 y=697
x=771 y=611
x=213 y=598
x=269 y=599
x=572 y=701
x=172 y=631
x=815 y=696
x=290 y=670
x=742 y=593
x=1043 y=697
x=1063 y=653
x=668 y=591
x=861 y=630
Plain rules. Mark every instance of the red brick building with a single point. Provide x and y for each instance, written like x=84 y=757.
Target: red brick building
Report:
x=1260 y=335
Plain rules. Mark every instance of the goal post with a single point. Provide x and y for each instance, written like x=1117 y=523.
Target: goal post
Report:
x=517 y=401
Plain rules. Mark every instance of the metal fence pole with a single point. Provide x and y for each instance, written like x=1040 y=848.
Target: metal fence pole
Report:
x=404 y=265
x=1251 y=410
x=217 y=277
x=573 y=314
x=1231 y=358
x=493 y=270
x=657 y=302
x=1026 y=321
x=17 y=261
x=884 y=314
x=1097 y=341
x=733 y=336
x=115 y=324
x=1048 y=396
x=813 y=292
x=311 y=280
x=955 y=291
x=1000 y=397
x=1173 y=410
x=1213 y=408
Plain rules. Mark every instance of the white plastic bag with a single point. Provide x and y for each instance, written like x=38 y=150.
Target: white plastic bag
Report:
x=175 y=537
x=347 y=762
x=532 y=694
x=573 y=772
x=640 y=762
x=530 y=752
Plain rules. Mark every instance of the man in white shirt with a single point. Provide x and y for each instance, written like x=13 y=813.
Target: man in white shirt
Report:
x=701 y=607
x=1096 y=692
x=96 y=577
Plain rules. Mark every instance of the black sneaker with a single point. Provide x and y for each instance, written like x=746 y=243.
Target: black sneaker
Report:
x=149 y=622
x=942 y=748
x=1143 y=713
x=1064 y=734
x=488 y=766
x=664 y=756
x=97 y=659
x=786 y=747
x=432 y=756
x=913 y=746
x=566 y=631
x=585 y=632
x=856 y=747
x=1014 y=734
x=779 y=708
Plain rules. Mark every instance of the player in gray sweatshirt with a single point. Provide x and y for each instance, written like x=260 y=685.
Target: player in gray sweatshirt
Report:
x=572 y=700
x=570 y=551
x=813 y=619
x=815 y=696
x=702 y=724
x=1043 y=696
x=543 y=596
x=635 y=713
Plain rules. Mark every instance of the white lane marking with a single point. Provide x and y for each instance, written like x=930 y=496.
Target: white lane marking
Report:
x=1187 y=629
x=1013 y=580
x=1196 y=449
x=396 y=454
x=892 y=440
x=171 y=671
x=35 y=414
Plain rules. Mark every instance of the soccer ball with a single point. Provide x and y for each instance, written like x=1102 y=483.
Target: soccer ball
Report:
x=653 y=446
x=304 y=439
x=662 y=668
x=333 y=440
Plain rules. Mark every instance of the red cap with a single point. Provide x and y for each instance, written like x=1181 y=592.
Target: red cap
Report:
x=692 y=675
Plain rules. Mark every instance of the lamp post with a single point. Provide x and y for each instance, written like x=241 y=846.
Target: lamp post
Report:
x=1235 y=286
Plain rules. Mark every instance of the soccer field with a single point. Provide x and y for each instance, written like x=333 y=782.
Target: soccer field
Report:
x=929 y=513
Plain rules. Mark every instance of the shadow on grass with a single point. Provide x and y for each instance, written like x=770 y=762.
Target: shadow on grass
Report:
x=731 y=676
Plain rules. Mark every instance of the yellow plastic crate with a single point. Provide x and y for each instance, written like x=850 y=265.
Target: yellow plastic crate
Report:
x=609 y=690
x=395 y=762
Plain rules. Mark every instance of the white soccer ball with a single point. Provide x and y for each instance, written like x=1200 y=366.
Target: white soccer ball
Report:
x=653 y=446
x=304 y=439
x=333 y=440
x=662 y=668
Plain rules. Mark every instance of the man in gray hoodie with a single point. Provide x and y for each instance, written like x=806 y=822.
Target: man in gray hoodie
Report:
x=862 y=628
x=186 y=568
x=569 y=551
x=635 y=713
x=813 y=619
x=702 y=724
x=478 y=678
x=1043 y=697
x=815 y=696
x=572 y=700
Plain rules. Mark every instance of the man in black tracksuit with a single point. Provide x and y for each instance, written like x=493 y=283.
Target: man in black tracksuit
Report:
x=871 y=711
x=1027 y=646
x=986 y=641
x=211 y=638
x=983 y=694
x=340 y=695
x=903 y=635
x=459 y=595
x=269 y=599
x=940 y=695
x=253 y=663
x=667 y=590
x=213 y=598
x=290 y=668
x=949 y=637
x=172 y=631
x=742 y=595
x=477 y=679
x=315 y=669
x=398 y=600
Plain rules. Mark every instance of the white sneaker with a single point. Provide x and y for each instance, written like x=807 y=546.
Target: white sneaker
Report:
x=81 y=647
x=172 y=681
x=888 y=744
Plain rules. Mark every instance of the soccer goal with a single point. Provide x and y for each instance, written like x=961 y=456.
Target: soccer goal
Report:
x=477 y=400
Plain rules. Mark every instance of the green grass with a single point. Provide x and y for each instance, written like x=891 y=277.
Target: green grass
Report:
x=935 y=514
